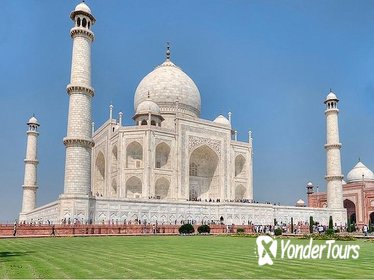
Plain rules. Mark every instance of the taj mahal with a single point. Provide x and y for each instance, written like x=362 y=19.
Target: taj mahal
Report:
x=170 y=165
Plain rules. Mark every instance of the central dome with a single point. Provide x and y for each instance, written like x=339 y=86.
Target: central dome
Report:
x=166 y=85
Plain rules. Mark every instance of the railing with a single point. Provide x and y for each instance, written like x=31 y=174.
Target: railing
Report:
x=113 y=229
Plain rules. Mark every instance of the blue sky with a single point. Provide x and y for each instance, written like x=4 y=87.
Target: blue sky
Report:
x=271 y=63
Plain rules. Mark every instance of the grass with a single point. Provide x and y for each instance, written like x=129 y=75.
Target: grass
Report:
x=164 y=257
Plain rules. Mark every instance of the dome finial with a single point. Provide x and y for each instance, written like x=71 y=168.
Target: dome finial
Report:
x=167 y=50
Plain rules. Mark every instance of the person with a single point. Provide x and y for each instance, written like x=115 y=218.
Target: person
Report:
x=14 y=229
x=53 y=230
x=365 y=230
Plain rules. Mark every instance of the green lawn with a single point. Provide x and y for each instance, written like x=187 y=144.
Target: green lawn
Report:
x=164 y=257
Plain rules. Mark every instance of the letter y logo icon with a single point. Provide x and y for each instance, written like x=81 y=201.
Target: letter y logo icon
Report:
x=266 y=250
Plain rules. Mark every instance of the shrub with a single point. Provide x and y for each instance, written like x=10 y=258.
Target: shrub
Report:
x=329 y=237
x=203 y=229
x=311 y=223
x=330 y=231
x=240 y=230
x=186 y=229
x=278 y=231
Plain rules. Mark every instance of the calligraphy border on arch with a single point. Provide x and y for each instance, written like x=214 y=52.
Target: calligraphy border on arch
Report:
x=195 y=141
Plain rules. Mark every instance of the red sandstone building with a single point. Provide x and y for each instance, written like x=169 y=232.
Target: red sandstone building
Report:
x=358 y=195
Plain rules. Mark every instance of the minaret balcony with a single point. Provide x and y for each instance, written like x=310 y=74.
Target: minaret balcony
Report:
x=73 y=142
x=333 y=146
x=331 y=110
x=333 y=177
x=33 y=161
x=80 y=31
x=70 y=89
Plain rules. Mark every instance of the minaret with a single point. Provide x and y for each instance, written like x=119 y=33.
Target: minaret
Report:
x=309 y=192
x=31 y=163
x=78 y=141
x=250 y=173
x=333 y=167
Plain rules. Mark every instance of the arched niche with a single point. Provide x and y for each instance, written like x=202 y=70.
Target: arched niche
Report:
x=240 y=192
x=203 y=179
x=133 y=187
x=134 y=155
x=162 y=159
x=114 y=188
x=239 y=165
x=351 y=210
x=99 y=177
x=114 y=158
x=162 y=188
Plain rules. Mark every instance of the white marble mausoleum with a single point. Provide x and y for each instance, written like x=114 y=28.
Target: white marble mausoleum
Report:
x=169 y=166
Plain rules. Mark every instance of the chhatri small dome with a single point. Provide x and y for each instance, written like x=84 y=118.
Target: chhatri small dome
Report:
x=33 y=120
x=82 y=7
x=148 y=106
x=300 y=203
x=331 y=96
x=358 y=171
x=310 y=184
x=169 y=84
x=222 y=120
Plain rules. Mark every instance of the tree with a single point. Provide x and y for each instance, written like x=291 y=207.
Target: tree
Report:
x=291 y=224
x=311 y=224
x=371 y=229
x=331 y=223
x=351 y=227
x=330 y=230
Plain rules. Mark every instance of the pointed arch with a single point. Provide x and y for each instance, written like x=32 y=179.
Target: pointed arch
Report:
x=162 y=156
x=239 y=165
x=371 y=218
x=114 y=188
x=203 y=182
x=351 y=210
x=99 y=175
x=240 y=192
x=133 y=187
x=162 y=188
x=114 y=158
x=134 y=155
